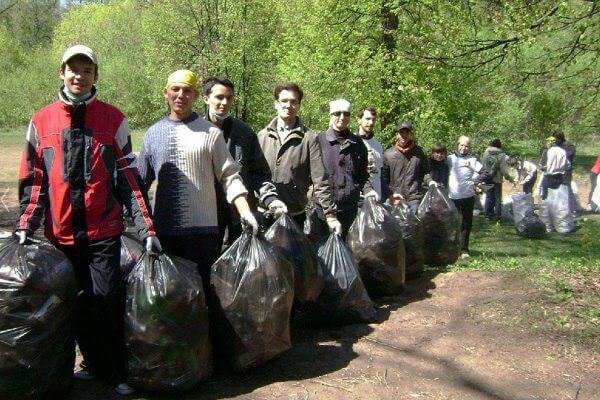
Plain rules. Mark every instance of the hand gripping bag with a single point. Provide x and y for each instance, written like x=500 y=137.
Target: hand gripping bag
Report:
x=315 y=226
x=344 y=298
x=527 y=223
x=414 y=239
x=166 y=325
x=37 y=300
x=375 y=239
x=295 y=246
x=132 y=251
x=441 y=227
x=253 y=285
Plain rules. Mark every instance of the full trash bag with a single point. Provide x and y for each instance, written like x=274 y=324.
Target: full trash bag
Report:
x=166 y=325
x=38 y=293
x=375 y=239
x=441 y=226
x=526 y=221
x=555 y=211
x=295 y=246
x=132 y=252
x=413 y=237
x=253 y=285
x=344 y=298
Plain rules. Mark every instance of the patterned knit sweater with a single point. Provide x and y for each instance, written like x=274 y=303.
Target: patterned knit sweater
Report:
x=187 y=158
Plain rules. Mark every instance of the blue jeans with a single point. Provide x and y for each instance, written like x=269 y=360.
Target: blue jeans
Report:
x=493 y=202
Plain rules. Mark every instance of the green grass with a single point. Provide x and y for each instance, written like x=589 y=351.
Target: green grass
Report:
x=565 y=270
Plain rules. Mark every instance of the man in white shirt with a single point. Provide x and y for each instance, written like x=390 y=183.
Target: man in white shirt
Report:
x=555 y=164
x=366 y=119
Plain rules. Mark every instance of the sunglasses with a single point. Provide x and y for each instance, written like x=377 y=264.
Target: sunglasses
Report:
x=338 y=113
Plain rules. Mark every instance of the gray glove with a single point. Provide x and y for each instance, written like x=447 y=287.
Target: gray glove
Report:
x=334 y=225
x=278 y=208
x=153 y=247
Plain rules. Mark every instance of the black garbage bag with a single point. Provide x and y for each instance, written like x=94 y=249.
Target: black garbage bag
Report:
x=132 y=251
x=166 y=325
x=344 y=298
x=253 y=285
x=526 y=221
x=38 y=293
x=414 y=239
x=375 y=239
x=315 y=227
x=295 y=246
x=441 y=227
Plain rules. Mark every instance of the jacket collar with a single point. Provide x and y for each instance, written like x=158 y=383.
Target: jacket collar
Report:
x=332 y=137
x=65 y=100
x=297 y=131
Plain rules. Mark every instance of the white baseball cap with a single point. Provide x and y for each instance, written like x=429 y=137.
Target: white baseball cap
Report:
x=339 y=105
x=79 y=49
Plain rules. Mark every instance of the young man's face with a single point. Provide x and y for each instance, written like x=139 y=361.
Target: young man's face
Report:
x=79 y=75
x=287 y=105
x=180 y=98
x=403 y=137
x=220 y=99
x=340 y=120
x=367 y=122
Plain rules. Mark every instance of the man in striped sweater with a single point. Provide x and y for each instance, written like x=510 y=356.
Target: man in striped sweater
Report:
x=185 y=154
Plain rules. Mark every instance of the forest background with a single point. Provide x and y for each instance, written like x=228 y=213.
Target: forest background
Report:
x=487 y=68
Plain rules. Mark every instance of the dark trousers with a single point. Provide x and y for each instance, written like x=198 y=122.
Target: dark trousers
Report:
x=493 y=201
x=465 y=208
x=299 y=220
x=551 y=182
x=101 y=305
x=202 y=249
x=229 y=233
x=528 y=186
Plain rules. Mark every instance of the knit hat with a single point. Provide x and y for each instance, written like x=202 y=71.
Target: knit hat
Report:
x=184 y=76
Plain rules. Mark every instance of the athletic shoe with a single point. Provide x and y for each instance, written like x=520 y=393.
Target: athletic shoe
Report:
x=124 y=389
x=83 y=375
x=464 y=256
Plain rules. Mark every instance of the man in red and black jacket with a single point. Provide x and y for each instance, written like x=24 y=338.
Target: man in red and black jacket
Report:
x=77 y=172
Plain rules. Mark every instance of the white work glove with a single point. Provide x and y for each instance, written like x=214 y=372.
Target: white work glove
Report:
x=21 y=234
x=334 y=225
x=433 y=184
x=278 y=208
x=153 y=247
x=249 y=221
x=372 y=194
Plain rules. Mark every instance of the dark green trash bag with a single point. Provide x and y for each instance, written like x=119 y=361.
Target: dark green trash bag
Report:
x=414 y=239
x=344 y=299
x=37 y=303
x=441 y=227
x=166 y=325
x=253 y=285
x=375 y=239
x=293 y=243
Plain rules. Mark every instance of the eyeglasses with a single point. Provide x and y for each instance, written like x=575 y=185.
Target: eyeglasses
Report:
x=338 y=113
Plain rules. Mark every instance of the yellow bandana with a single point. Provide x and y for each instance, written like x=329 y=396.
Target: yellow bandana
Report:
x=183 y=76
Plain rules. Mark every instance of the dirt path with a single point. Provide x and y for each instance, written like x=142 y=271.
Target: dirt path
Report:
x=440 y=340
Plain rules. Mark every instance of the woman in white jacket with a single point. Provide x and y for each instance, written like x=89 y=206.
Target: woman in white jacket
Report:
x=464 y=168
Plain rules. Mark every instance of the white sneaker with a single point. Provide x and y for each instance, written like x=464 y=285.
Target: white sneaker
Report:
x=589 y=208
x=124 y=389
x=464 y=256
x=83 y=375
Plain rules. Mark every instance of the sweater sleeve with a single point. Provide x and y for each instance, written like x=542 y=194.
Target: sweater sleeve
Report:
x=226 y=170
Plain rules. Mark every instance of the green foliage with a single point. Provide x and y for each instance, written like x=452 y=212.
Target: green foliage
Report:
x=513 y=70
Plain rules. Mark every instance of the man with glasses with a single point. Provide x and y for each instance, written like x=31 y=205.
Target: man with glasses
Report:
x=294 y=157
x=346 y=161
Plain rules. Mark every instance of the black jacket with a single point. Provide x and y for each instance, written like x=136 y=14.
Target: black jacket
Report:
x=403 y=172
x=346 y=164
